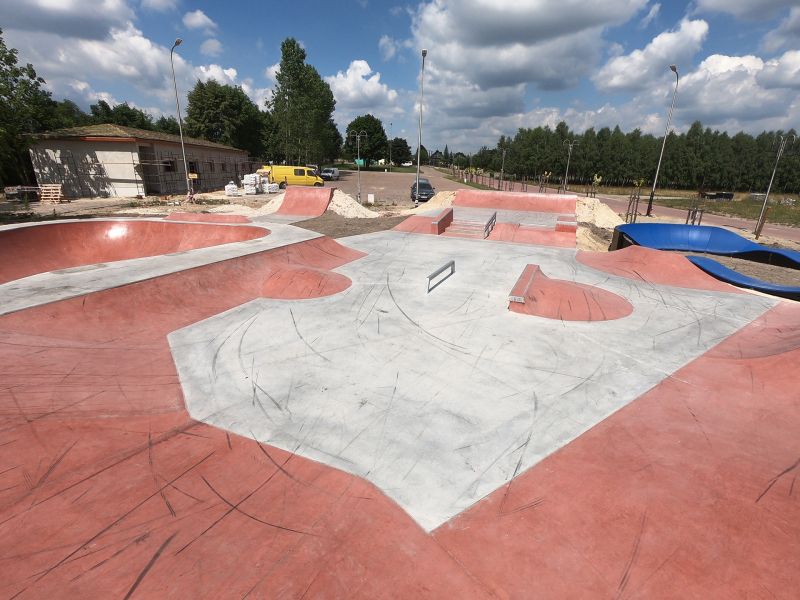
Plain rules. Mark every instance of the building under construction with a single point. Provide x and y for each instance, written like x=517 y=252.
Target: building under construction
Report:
x=111 y=160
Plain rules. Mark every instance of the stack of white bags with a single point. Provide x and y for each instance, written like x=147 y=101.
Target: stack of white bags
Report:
x=252 y=184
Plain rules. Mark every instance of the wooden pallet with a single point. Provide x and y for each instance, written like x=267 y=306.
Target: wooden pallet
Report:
x=50 y=193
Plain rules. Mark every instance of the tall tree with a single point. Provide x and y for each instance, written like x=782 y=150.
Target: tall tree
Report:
x=373 y=145
x=224 y=114
x=301 y=107
x=121 y=114
x=25 y=108
x=167 y=125
x=401 y=152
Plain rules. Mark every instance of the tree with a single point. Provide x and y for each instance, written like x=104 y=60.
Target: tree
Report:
x=373 y=146
x=301 y=109
x=401 y=152
x=224 y=114
x=423 y=155
x=25 y=108
x=167 y=125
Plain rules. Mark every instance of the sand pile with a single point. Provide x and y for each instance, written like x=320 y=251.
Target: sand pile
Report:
x=269 y=207
x=439 y=200
x=591 y=210
x=346 y=206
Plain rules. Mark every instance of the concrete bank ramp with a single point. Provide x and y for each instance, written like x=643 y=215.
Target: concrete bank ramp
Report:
x=308 y=202
x=550 y=203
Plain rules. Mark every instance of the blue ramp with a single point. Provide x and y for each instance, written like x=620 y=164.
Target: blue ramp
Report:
x=702 y=239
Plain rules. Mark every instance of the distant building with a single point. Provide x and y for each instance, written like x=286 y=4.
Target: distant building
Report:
x=111 y=160
x=436 y=158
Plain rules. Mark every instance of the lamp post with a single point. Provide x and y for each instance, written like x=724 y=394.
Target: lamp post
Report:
x=674 y=69
x=189 y=195
x=390 y=147
x=419 y=138
x=762 y=216
x=358 y=135
x=502 y=169
x=570 y=144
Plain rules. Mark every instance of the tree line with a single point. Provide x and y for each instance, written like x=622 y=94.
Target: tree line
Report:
x=699 y=158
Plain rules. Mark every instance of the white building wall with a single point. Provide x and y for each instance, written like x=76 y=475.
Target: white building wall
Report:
x=88 y=168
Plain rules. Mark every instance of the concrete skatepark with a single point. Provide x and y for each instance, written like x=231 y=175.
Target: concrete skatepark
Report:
x=248 y=409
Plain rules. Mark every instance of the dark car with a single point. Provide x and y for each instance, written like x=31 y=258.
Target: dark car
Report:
x=426 y=191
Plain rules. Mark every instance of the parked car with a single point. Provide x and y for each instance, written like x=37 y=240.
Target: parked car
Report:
x=285 y=175
x=330 y=174
x=426 y=191
x=408 y=163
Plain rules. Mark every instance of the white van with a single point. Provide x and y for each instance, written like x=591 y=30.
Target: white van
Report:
x=330 y=174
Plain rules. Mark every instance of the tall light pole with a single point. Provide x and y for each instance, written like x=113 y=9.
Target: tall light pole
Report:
x=419 y=138
x=358 y=135
x=189 y=194
x=761 y=217
x=569 y=144
x=502 y=169
x=390 y=147
x=674 y=69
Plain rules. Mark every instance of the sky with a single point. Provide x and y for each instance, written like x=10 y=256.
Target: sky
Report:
x=492 y=66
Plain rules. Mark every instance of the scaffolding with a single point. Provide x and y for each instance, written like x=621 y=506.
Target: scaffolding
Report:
x=148 y=172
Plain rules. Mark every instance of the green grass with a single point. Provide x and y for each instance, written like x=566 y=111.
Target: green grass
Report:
x=477 y=186
x=376 y=168
x=745 y=209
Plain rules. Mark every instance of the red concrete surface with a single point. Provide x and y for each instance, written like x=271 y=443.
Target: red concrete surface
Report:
x=31 y=250
x=305 y=201
x=654 y=266
x=206 y=218
x=442 y=222
x=689 y=492
x=515 y=201
x=109 y=490
x=565 y=300
x=522 y=234
x=415 y=224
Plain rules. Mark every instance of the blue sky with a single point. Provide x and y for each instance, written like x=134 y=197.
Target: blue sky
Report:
x=493 y=65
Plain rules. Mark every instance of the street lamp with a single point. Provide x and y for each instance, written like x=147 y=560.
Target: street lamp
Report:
x=762 y=216
x=419 y=138
x=390 y=147
x=569 y=144
x=189 y=195
x=674 y=69
x=358 y=135
x=502 y=169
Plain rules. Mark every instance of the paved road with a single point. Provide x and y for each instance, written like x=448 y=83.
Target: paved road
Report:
x=391 y=187
x=784 y=232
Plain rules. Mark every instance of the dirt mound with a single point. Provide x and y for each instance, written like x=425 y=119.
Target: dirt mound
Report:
x=269 y=207
x=591 y=210
x=346 y=206
x=439 y=200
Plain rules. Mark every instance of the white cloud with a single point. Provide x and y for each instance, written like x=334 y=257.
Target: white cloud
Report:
x=641 y=67
x=216 y=72
x=727 y=92
x=160 y=5
x=88 y=19
x=211 y=47
x=197 y=19
x=271 y=72
x=359 y=90
x=258 y=95
x=781 y=72
x=650 y=16
x=388 y=47
x=746 y=9
x=786 y=34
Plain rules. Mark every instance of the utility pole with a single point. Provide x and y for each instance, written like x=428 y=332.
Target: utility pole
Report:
x=419 y=138
x=502 y=169
x=674 y=69
x=390 y=147
x=358 y=135
x=762 y=217
x=569 y=144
